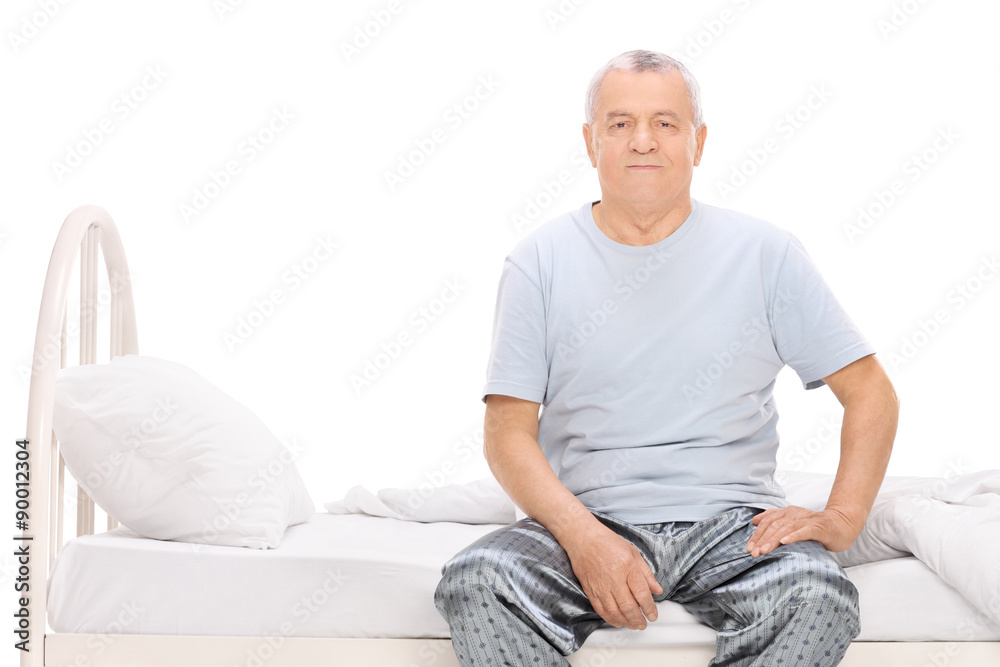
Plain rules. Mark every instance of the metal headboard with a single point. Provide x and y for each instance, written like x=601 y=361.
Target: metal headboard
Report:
x=87 y=229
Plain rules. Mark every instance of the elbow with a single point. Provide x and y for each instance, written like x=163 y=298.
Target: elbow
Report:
x=890 y=411
x=891 y=398
x=882 y=389
x=491 y=448
x=488 y=451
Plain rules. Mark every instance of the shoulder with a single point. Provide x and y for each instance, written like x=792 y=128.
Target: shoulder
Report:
x=726 y=232
x=739 y=227
x=540 y=246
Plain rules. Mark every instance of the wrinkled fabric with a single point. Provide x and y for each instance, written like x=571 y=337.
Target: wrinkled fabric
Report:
x=511 y=598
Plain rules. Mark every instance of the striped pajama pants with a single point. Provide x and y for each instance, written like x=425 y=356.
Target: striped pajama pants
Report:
x=511 y=598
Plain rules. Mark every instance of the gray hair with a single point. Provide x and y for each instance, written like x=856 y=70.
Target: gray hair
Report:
x=644 y=61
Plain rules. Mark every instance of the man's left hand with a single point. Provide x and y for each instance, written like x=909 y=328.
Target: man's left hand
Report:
x=831 y=527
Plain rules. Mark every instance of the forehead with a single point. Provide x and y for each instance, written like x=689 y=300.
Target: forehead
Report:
x=643 y=92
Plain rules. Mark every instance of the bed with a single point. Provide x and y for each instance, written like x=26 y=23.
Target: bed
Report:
x=337 y=591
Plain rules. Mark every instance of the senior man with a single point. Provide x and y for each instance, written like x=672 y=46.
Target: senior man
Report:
x=651 y=327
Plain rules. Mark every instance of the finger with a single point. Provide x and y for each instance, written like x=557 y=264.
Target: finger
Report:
x=599 y=607
x=767 y=515
x=768 y=538
x=642 y=594
x=629 y=607
x=766 y=518
x=767 y=541
x=607 y=608
x=654 y=585
x=763 y=521
x=774 y=539
x=802 y=534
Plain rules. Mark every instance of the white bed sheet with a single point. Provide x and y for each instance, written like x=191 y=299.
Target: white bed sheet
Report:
x=364 y=576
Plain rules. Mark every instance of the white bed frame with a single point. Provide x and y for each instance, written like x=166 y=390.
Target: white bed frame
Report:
x=90 y=227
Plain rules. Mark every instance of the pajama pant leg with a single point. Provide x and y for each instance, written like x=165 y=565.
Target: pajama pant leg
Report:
x=791 y=606
x=511 y=597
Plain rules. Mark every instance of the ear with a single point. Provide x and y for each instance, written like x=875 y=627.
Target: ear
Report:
x=700 y=138
x=587 y=137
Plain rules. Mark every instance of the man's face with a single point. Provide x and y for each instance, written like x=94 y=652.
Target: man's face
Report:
x=643 y=140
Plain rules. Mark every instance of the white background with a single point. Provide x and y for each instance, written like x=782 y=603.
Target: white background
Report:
x=895 y=76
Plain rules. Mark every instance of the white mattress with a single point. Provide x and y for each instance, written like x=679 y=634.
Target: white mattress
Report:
x=364 y=576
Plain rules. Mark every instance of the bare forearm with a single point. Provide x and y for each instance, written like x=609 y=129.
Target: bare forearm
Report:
x=524 y=473
x=611 y=571
x=871 y=411
x=866 y=439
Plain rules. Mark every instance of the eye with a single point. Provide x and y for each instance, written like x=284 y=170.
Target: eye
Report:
x=664 y=123
x=619 y=124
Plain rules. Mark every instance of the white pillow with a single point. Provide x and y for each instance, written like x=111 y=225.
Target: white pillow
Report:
x=173 y=457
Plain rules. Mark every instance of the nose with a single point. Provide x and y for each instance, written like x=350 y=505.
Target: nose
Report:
x=642 y=140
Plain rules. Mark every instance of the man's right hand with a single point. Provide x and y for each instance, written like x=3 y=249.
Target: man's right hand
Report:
x=615 y=577
x=611 y=571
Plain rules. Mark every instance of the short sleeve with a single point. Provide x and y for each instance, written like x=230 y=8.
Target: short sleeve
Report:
x=812 y=333
x=518 y=365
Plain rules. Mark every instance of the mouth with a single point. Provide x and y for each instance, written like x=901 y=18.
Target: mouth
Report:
x=644 y=167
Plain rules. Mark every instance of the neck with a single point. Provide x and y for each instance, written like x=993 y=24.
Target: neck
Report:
x=638 y=225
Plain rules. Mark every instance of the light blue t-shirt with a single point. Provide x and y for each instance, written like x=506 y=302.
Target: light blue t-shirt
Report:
x=655 y=364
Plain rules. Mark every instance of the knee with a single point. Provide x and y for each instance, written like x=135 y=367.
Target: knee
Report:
x=467 y=576
x=826 y=596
